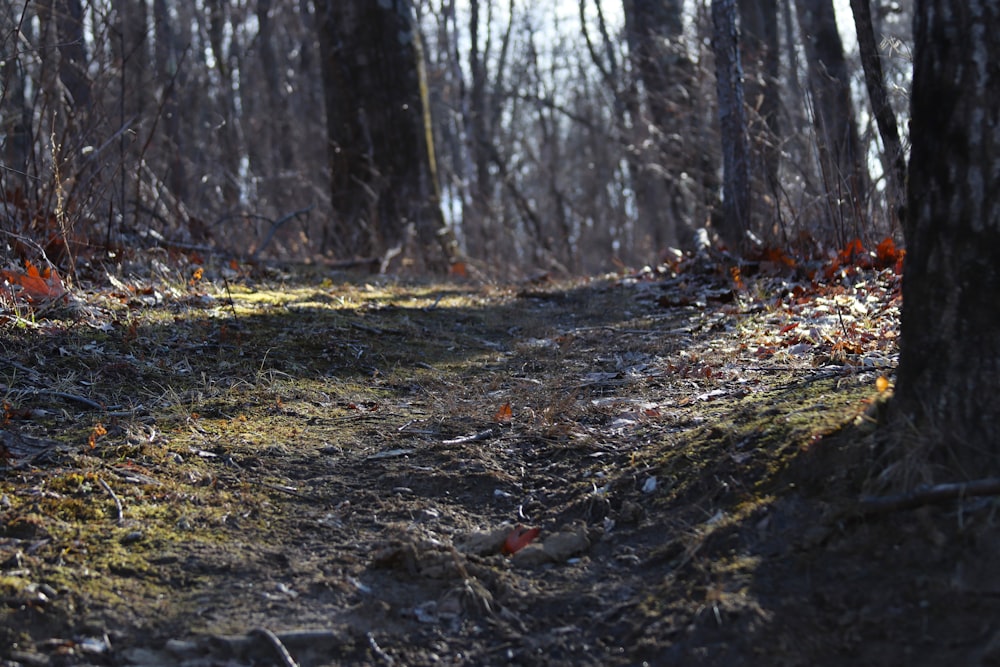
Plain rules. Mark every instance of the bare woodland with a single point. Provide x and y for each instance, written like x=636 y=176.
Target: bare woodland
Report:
x=568 y=138
x=686 y=306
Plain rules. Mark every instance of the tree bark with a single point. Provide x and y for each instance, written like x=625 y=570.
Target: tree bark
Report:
x=169 y=57
x=384 y=181
x=840 y=152
x=949 y=370
x=732 y=119
x=15 y=150
x=654 y=30
x=761 y=58
x=479 y=116
x=73 y=53
x=882 y=109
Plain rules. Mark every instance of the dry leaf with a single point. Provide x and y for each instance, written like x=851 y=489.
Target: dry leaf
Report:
x=504 y=414
x=518 y=538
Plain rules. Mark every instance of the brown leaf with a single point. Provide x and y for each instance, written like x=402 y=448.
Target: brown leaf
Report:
x=504 y=414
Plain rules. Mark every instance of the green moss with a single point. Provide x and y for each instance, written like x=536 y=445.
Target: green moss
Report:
x=240 y=423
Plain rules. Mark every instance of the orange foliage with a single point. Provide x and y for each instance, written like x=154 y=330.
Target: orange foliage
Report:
x=504 y=414
x=97 y=432
x=33 y=285
x=887 y=255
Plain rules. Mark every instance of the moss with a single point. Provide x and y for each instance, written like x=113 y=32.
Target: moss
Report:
x=250 y=424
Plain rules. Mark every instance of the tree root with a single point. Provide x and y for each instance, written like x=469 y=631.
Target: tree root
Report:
x=929 y=495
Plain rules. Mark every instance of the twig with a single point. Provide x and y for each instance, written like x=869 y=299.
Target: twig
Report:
x=118 y=502
x=277 y=224
x=33 y=375
x=929 y=495
x=83 y=400
x=461 y=440
x=372 y=330
x=378 y=650
x=275 y=643
x=291 y=492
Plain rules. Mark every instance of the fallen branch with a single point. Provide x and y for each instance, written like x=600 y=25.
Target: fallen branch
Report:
x=246 y=646
x=929 y=495
x=32 y=374
x=279 y=648
x=76 y=398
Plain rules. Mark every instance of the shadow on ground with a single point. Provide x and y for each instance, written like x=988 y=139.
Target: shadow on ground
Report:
x=334 y=470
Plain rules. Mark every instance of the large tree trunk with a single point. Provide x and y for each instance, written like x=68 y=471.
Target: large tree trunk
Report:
x=130 y=48
x=384 y=182
x=732 y=118
x=73 y=54
x=949 y=370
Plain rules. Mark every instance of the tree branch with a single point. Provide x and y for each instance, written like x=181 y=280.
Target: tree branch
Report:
x=929 y=495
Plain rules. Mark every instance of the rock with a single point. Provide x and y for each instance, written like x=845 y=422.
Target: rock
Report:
x=483 y=543
x=564 y=545
x=557 y=547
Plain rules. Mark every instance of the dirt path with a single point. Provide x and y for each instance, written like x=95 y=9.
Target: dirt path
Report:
x=324 y=474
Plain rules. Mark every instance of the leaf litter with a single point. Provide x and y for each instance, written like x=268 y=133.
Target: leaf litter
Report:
x=227 y=465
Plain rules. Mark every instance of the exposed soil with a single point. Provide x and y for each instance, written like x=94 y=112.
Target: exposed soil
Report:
x=304 y=471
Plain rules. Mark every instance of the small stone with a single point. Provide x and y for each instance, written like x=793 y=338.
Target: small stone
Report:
x=132 y=537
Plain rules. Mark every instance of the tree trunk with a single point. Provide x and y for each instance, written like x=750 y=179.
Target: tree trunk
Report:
x=949 y=370
x=130 y=49
x=884 y=116
x=479 y=135
x=654 y=30
x=384 y=181
x=278 y=134
x=73 y=54
x=760 y=55
x=16 y=123
x=732 y=119
x=169 y=57
x=840 y=153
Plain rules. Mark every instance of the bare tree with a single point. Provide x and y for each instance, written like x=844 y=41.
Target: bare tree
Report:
x=732 y=119
x=17 y=121
x=195 y=126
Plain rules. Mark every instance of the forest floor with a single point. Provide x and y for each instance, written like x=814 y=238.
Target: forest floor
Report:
x=286 y=468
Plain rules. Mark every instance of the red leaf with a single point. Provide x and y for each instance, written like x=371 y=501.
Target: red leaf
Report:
x=779 y=256
x=518 y=538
